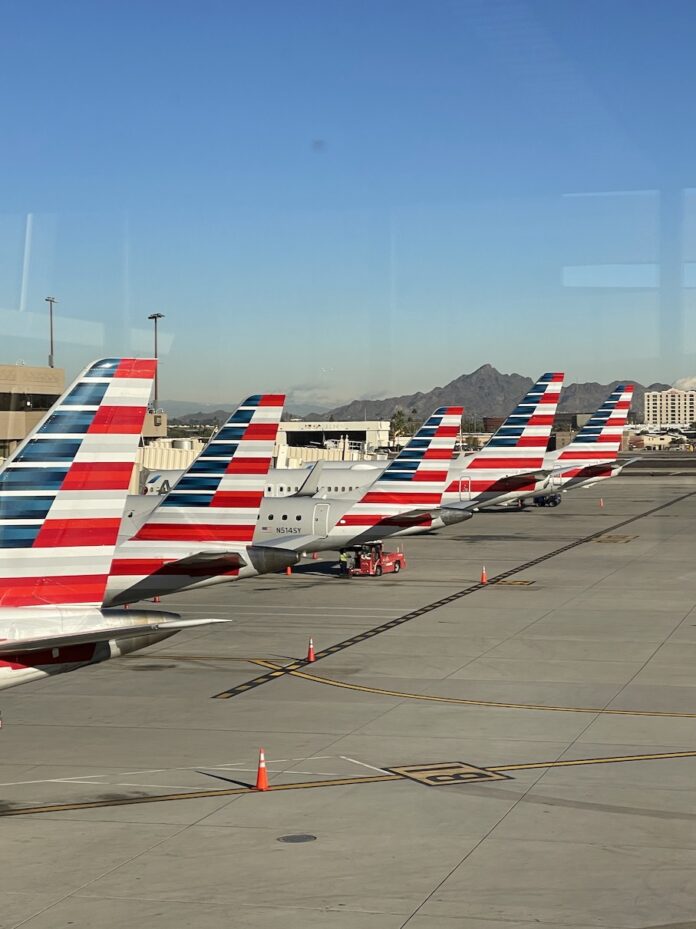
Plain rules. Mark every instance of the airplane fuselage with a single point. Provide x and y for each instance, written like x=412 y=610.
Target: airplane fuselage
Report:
x=480 y=487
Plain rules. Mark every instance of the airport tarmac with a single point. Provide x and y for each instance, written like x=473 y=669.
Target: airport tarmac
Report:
x=500 y=757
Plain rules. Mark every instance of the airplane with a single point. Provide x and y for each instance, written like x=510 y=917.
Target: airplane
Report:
x=62 y=494
x=507 y=468
x=216 y=526
x=202 y=531
x=512 y=461
x=405 y=498
x=592 y=455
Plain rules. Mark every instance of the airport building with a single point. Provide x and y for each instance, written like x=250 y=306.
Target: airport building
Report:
x=26 y=393
x=670 y=407
x=349 y=435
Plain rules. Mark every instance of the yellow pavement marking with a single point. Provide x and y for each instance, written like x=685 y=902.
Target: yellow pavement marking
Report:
x=437 y=774
x=572 y=762
x=195 y=795
x=461 y=701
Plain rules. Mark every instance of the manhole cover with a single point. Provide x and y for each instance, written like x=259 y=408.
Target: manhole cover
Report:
x=298 y=837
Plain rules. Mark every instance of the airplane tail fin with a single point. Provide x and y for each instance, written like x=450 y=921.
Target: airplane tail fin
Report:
x=520 y=443
x=63 y=490
x=600 y=437
x=415 y=480
x=219 y=497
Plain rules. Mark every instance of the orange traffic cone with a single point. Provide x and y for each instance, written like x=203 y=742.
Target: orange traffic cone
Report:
x=310 y=651
x=156 y=599
x=261 y=773
x=288 y=570
x=601 y=503
x=484 y=576
x=315 y=555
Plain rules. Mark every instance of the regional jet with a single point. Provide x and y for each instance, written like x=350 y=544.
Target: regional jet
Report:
x=509 y=467
x=592 y=456
x=62 y=495
x=215 y=525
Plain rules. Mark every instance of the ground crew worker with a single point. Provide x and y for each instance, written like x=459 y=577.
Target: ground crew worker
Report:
x=343 y=562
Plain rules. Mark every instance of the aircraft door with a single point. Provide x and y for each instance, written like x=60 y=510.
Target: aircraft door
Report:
x=320 y=520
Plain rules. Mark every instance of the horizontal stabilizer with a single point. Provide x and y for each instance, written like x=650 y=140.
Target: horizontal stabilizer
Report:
x=13 y=646
x=228 y=560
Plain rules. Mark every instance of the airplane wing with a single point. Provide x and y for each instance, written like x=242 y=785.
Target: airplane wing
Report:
x=12 y=646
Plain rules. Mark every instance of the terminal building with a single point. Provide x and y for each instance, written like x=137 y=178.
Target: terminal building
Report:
x=670 y=407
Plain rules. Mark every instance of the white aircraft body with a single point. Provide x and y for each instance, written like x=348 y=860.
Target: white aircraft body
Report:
x=216 y=526
x=62 y=494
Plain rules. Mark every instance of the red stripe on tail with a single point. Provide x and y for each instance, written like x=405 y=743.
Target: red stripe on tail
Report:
x=123 y=420
x=202 y=532
x=98 y=475
x=136 y=367
x=40 y=591
x=75 y=533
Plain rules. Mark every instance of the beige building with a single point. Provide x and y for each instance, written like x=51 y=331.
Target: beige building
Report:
x=670 y=407
x=26 y=394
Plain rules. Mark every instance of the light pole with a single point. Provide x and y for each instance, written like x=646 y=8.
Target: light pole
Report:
x=155 y=317
x=50 y=301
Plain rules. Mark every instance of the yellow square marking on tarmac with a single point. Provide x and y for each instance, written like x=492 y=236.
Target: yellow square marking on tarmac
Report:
x=444 y=773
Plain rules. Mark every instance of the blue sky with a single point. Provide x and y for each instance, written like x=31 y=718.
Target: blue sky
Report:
x=348 y=199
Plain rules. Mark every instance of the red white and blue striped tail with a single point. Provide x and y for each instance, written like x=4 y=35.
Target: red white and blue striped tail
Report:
x=218 y=499
x=521 y=442
x=600 y=438
x=63 y=490
x=416 y=479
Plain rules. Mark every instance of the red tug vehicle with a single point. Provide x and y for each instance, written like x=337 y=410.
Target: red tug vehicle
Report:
x=370 y=560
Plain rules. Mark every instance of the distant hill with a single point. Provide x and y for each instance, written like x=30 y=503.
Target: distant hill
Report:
x=185 y=414
x=484 y=392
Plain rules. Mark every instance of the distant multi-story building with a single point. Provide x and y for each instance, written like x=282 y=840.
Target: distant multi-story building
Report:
x=670 y=407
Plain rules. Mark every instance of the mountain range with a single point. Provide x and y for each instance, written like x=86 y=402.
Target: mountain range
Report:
x=483 y=392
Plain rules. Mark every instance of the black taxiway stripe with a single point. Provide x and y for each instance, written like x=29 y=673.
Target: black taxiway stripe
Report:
x=436 y=604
